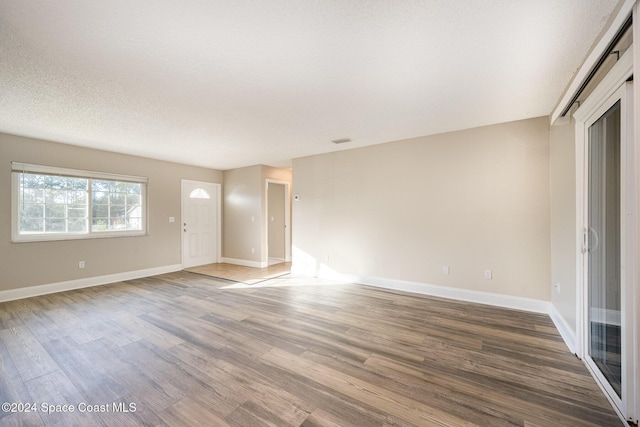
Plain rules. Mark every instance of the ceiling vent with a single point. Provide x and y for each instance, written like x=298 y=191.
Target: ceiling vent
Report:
x=341 y=140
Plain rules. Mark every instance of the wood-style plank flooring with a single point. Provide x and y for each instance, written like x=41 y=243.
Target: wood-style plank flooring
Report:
x=183 y=350
x=240 y=273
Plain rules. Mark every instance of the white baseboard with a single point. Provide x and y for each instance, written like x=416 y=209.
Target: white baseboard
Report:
x=565 y=330
x=245 y=262
x=33 y=291
x=507 y=301
x=499 y=300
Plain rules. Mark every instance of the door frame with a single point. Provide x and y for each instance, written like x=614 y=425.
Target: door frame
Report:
x=218 y=208
x=287 y=217
x=613 y=87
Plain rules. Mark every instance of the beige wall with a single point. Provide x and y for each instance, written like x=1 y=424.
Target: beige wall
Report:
x=245 y=211
x=563 y=220
x=242 y=224
x=36 y=263
x=471 y=200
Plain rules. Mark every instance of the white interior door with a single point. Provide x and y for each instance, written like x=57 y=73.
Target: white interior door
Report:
x=200 y=223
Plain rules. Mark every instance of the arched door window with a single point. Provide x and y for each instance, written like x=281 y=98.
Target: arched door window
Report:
x=199 y=193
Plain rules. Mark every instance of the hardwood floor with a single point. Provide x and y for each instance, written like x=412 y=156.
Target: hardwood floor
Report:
x=184 y=349
x=239 y=273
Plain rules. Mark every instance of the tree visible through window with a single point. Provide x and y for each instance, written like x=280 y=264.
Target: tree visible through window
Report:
x=116 y=205
x=52 y=204
x=58 y=206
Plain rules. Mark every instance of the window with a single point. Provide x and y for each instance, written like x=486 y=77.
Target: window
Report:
x=57 y=204
x=115 y=205
x=199 y=193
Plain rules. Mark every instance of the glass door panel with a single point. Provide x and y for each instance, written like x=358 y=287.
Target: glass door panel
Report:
x=604 y=247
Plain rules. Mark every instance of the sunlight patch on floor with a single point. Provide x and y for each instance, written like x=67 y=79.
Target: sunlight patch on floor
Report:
x=287 y=281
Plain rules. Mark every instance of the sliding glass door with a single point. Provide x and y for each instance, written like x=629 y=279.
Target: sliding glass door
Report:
x=606 y=203
x=604 y=247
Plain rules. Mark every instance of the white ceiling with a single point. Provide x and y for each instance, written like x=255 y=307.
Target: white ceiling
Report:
x=225 y=84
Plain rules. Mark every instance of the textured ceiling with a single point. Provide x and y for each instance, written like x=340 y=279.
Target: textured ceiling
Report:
x=225 y=84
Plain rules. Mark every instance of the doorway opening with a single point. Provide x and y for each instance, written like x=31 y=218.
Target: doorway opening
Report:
x=278 y=218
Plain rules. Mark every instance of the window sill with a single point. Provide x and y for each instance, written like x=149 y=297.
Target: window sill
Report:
x=84 y=236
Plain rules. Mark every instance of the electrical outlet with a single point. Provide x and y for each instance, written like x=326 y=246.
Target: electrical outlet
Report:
x=488 y=274
x=445 y=269
x=253 y=250
x=557 y=287
x=81 y=264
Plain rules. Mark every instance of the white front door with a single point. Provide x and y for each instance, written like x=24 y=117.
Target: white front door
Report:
x=200 y=223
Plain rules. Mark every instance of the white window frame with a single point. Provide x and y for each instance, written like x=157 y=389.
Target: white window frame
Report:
x=17 y=168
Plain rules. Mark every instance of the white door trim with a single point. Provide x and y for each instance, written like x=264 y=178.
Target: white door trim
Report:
x=218 y=201
x=287 y=217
